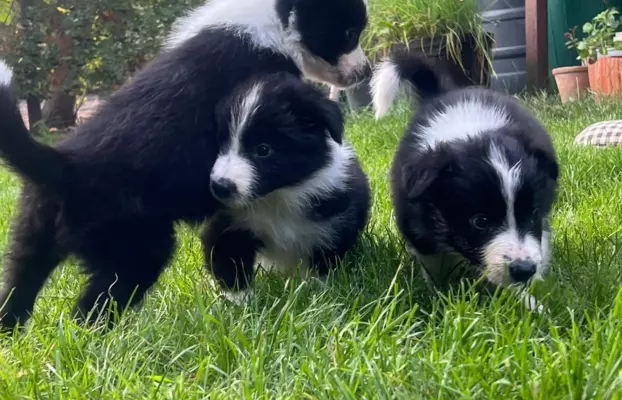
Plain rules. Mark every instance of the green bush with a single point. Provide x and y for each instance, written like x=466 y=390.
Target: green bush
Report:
x=109 y=40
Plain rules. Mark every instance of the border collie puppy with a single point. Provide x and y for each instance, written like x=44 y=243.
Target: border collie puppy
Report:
x=320 y=37
x=473 y=180
x=111 y=192
x=293 y=191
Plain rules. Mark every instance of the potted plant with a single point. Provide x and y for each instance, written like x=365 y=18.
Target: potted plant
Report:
x=449 y=31
x=605 y=73
x=599 y=52
x=572 y=81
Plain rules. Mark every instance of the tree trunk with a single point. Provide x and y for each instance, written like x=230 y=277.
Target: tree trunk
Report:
x=33 y=102
x=34 y=110
x=58 y=111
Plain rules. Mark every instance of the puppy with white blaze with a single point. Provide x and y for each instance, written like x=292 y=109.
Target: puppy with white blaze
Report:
x=293 y=191
x=111 y=192
x=473 y=180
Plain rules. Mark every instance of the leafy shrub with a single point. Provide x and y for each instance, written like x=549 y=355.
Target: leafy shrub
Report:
x=599 y=35
x=101 y=42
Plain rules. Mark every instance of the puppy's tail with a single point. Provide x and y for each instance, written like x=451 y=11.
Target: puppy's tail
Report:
x=30 y=159
x=400 y=68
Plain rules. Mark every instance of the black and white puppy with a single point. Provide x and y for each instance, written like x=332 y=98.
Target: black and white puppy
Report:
x=111 y=192
x=473 y=180
x=294 y=193
x=320 y=37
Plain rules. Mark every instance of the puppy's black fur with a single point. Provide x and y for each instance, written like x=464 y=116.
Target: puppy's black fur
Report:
x=110 y=192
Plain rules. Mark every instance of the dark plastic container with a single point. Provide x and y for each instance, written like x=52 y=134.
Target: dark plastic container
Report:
x=506 y=20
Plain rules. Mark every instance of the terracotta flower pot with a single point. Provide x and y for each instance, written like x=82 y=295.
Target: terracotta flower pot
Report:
x=572 y=82
x=606 y=76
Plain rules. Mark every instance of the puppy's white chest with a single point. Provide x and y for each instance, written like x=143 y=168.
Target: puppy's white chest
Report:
x=288 y=236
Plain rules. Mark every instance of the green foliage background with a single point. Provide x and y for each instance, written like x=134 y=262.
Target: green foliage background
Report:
x=110 y=40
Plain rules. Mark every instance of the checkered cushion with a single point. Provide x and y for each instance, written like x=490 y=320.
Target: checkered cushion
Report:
x=601 y=134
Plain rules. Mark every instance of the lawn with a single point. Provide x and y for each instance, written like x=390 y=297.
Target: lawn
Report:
x=374 y=331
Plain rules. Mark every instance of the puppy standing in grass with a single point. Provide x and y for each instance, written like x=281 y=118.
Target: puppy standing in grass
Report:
x=111 y=192
x=293 y=190
x=473 y=180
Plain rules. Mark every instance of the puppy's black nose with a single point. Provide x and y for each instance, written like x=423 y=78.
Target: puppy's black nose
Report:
x=522 y=270
x=223 y=189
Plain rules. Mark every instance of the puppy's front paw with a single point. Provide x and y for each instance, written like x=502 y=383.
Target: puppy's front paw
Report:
x=334 y=93
x=240 y=298
x=532 y=304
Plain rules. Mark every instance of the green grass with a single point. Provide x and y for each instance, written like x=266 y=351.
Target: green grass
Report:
x=373 y=332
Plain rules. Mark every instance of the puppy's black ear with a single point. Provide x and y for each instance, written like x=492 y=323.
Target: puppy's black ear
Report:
x=540 y=146
x=416 y=181
x=316 y=110
x=547 y=163
x=419 y=176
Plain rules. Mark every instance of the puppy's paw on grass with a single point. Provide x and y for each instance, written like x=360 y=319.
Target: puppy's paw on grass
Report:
x=240 y=298
x=532 y=303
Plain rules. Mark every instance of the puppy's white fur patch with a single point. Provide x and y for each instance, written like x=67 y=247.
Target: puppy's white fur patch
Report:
x=352 y=62
x=246 y=109
x=232 y=165
x=475 y=117
x=288 y=265
x=508 y=245
x=345 y=74
x=280 y=219
x=257 y=18
x=385 y=85
x=510 y=177
x=461 y=121
x=6 y=74
x=237 y=169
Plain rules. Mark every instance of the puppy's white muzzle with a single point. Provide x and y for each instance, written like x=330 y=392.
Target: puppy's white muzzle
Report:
x=512 y=258
x=351 y=69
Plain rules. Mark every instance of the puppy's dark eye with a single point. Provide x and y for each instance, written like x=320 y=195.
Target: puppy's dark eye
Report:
x=479 y=222
x=263 y=151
